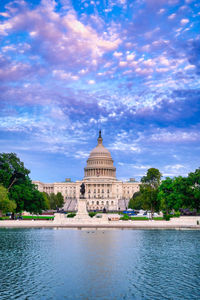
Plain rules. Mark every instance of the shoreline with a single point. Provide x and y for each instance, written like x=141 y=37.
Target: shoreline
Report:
x=182 y=223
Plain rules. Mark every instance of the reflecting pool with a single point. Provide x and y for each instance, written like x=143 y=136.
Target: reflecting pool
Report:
x=99 y=264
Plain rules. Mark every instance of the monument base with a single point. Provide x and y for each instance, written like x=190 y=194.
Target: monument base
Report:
x=82 y=210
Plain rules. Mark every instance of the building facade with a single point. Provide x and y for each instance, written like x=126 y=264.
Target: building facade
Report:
x=102 y=189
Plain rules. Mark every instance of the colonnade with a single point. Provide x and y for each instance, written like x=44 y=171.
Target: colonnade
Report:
x=99 y=172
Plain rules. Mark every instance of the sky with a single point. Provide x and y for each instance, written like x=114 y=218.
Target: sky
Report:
x=69 y=68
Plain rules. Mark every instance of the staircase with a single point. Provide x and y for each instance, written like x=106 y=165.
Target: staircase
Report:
x=123 y=204
x=70 y=205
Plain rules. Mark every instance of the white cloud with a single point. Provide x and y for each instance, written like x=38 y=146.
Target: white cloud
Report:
x=161 y=11
x=130 y=57
x=64 y=75
x=184 y=22
x=189 y=67
x=123 y=63
x=91 y=81
x=172 y=16
x=117 y=54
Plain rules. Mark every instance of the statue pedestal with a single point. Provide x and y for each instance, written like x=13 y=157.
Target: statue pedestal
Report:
x=82 y=210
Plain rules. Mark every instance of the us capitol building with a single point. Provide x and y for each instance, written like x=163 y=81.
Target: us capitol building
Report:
x=102 y=189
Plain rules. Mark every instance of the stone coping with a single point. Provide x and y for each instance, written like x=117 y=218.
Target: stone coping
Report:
x=179 y=223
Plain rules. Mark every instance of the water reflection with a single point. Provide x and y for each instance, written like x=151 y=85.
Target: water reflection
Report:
x=90 y=264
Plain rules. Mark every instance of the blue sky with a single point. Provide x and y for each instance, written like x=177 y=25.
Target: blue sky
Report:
x=129 y=68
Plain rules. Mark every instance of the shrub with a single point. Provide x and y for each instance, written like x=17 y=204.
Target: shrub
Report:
x=177 y=214
x=166 y=217
x=139 y=218
x=72 y=215
x=125 y=218
x=37 y=217
x=4 y=218
x=92 y=214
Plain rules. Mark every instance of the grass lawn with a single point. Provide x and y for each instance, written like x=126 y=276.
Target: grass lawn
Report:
x=37 y=217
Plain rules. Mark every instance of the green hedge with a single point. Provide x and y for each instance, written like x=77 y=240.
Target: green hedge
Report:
x=139 y=218
x=126 y=217
x=4 y=218
x=37 y=217
x=72 y=215
x=166 y=217
x=176 y=215
x=92 y=214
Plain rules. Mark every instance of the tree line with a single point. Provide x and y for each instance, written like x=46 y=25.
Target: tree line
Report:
x=18 y=193
x=169 y=194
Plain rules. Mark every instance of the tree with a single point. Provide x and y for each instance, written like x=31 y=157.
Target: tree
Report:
x=59 y=200
x=6 y=205
x=11 y=169
x=149 y=189
x=27 y=197
x=52 y=201
x=46 y=200
x=56 y=201
x=136 y=202
x=194 y=189
x=15 y=177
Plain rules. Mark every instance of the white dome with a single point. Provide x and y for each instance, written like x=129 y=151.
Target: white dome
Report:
x=100 y=151
x=100 y=163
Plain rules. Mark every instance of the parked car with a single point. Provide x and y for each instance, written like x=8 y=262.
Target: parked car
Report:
x=129 y=212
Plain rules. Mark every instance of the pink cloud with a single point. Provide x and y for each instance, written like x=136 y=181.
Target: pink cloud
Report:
x=61 y=39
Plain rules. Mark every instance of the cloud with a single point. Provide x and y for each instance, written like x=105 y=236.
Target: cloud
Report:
x=172 y=16
x=131 y=69
x=184 y=21
x=60 y=39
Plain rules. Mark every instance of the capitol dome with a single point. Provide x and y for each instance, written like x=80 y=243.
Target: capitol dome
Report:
x=100 y=162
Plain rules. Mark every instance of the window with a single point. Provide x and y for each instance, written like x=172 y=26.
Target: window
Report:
x=97 y=202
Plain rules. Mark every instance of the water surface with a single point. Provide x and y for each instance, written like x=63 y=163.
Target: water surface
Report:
x=97 y=264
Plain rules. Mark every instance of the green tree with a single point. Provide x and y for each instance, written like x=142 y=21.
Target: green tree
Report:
x=46 y=200
x=149 y=189
x=15 y=177
x=136 y=202
x=193 y=181
x=12 y=170
x=59 y=200
x=172 y=193
x=6 y=205
x=56 y=201
x=166 y=196
x=27 y=197
x=52 y=201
